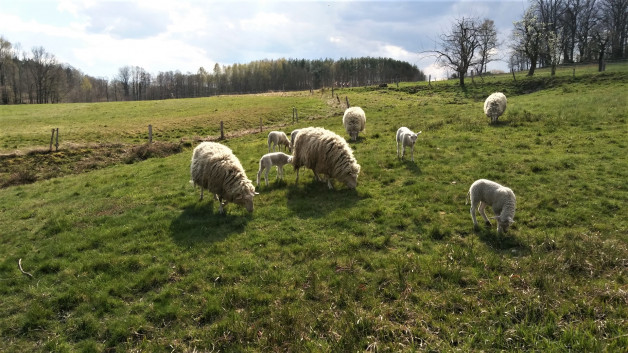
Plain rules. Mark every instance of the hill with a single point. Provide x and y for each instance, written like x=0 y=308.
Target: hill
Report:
x=126 y=258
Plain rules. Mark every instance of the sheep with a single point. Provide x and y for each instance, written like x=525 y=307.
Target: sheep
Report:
x=269 y=160
x=277 y=138
x=325 y=152
x=494 y=106
x=406 y=137
x=214 y=167
x=293 y=135
x=501 y=199
x=354 y=121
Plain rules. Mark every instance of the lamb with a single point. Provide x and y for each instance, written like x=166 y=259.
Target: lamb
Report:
x=277 y=138
x=325 y=152
x=269 y=160
x=354 y=121
x=501 y=199
x=407 y=138
x=494 y=106
x=214 y=167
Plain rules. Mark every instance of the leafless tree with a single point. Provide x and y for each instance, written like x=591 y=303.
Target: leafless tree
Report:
x=458 y=47
x=487 y=44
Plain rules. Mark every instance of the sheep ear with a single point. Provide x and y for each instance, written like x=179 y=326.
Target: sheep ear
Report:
x=419 y=132
x=255 y=193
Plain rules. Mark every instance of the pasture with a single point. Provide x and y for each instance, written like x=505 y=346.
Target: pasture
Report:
x=125 y=257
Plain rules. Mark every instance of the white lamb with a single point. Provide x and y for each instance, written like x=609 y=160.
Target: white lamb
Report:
x=293 y=135
x=354 y=121
x=501 y=199
x=325 y=152
x=495 y=106
x=214 y=167
x=278 y=138
x=406 y=138
x=269 y=160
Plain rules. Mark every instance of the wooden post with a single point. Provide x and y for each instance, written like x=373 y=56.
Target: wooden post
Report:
x=513 y=74
x=52 y=137
x=57 y=141
x=260 y=124
x=347 y=100
x=332 y=91
x=150 y=133
x=338 y=98
x=429 y=82
x=293 y=114
x=222 y=131
x=296 y=112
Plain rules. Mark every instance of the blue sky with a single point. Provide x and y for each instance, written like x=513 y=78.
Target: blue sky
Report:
x=99 y=37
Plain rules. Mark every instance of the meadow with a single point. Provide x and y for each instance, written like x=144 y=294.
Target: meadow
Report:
x=126 y=258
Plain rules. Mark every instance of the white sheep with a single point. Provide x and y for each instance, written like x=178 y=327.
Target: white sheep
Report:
x=495 y=106
x=406 y=138
x=354 y=121
x=325 y=152
x=293 y=135
x=277 y=138
x=501 y=199
x=214 y=167
x=269 y=160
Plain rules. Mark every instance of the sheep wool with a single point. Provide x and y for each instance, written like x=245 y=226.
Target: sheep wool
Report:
x=495 y=106
x=325 y=152
x=502 y=200
x=354 y=121
x=214 y=167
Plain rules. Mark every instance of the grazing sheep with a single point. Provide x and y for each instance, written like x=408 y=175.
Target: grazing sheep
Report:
x=277 y=138
x=501 y=199
x=325 y=152
x=354 y=121
x=406 y=137
x=293 y=135
x=269 y=160
x=494 y=106
x=214 y=167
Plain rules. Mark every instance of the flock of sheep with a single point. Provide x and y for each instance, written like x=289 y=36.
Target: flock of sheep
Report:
x=214 y=166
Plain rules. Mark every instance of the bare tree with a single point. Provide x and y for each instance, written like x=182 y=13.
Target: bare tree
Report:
x=616 y=17
x=124 y=77
x=487 y=44
x=458 y=48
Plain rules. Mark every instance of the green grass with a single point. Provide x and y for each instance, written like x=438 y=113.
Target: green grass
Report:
x=126 y=258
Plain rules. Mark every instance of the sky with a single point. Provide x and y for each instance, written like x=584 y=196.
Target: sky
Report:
x=99 y=37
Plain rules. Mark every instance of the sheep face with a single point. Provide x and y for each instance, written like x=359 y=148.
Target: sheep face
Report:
x=350 y=179
x=246 y=201
x=503 y=225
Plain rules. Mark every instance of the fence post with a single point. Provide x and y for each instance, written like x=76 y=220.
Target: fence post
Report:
x=260 y=124
x=52 y=137
x=347 y=100
x=429 y=82
x=296 y=112
x=57 y=141
x=222 y=131
x=150 y=133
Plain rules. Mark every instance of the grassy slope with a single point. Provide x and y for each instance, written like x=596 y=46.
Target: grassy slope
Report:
x=127 y=258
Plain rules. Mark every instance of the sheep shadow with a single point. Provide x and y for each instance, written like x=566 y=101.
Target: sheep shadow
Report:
x=200 y=222
x=314 y=199
x=273 y=185
x=501 y=242
x=411 y=166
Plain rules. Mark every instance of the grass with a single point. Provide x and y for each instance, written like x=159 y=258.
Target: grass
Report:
x=125 y=258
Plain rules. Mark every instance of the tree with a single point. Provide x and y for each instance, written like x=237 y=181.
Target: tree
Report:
x=487 y=43
x=459 y=46
x=528 y=35
x=616 y=18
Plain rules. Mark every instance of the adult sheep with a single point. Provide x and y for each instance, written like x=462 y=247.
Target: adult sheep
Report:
x=495 y=106
x=278 y=138
x=325 y=152
x=214 y=167
x=502 y=200
x=354 y=121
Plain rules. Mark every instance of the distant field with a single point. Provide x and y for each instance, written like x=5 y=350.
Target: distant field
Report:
x=125 y=258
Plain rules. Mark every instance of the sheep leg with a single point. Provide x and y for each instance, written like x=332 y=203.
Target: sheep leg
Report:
x=329 y=184
x=266 y=175
x=297 y=181
x=259 y=172
x=280 y=172
x=397 y=149
x=201 y=199
x=473 y=209
x=483 y=213
x=221 y=210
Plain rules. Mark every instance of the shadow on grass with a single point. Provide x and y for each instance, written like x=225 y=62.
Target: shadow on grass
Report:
x=412 y=166
x=314 y=199
x=502 y=242
x=273 y=184
x=201 y=222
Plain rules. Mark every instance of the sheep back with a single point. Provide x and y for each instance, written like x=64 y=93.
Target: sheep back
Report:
x=325 y=152
x=495 y=106
x=354 y=121
x=215 y=168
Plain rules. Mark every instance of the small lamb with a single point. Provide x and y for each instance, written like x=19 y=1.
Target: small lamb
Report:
x=269 y=160
x=501 y=199
x=407 y=138
x=495 y=106
x=278 y=138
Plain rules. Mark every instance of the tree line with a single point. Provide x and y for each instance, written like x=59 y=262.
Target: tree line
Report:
x=550 y=33
x=37 y=77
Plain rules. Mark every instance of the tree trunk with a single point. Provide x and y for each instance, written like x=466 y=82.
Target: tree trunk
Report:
x=532 y=68
x=600 y=61
x=461 y=78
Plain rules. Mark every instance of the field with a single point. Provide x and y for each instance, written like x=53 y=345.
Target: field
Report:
x=124 y=257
